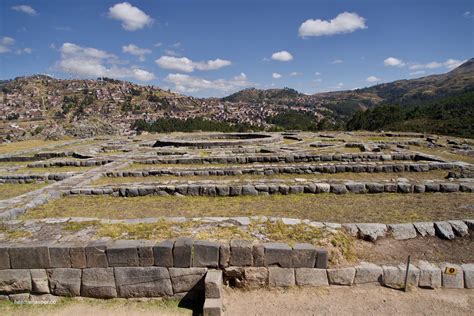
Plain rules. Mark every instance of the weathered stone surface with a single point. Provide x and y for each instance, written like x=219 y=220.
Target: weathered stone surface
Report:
x=122 y=253
x=187 y=279
x=311 y=277
x=255 y=277
x=224 y=255
x=444 y=230
x=145 y=253
x=338 y=188
x=430 y=275
x=206 y=254
x=460 y=228
x=98 y=283
x=65 y=281
x=183 y=252
x=449 y=187
x=249 y=190
x=371 y=232
x=322 y=258
x=425 y=228
x=453 y=280
x=31 y=256
x=368 y=273
x=241 y=253
x=277 y=254
x=234 y=276
x=4 y=257
x=323 y=187
x=402 y=231
x=351 y=229
x=143 y=282
x=96 y=254
x=394 y=277
x=374 y=187
x=355 y=187
x=60 y=257
x=213 y=284
x=468 y=270
x=78 y=256
x=39 y=281
x=303 y=256
x=258 y=253
x=281 y=277
x=212 y=307
x=163 y=253
x=15 y=281
x=20 y=298
x=341 y=276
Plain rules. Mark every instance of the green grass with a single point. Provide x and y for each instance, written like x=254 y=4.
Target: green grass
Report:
x=346 y=208
x=8 y=191
x=53 y=169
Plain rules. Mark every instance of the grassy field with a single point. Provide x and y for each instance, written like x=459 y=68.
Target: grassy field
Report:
x=443 y=153
x=412 y=176
x=8 y=191
x=27 y=145
x=52 y=169
x=383 y=208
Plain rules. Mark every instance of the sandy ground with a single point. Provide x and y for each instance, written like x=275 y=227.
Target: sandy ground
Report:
x=356 y=300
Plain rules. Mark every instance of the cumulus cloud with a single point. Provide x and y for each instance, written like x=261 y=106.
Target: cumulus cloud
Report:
x=189 y=84
x=133 y=49
x=282 y=56
x=296 y=73
x=132 y=18
x=337 y=61
x=187 y=65
x=372 y=79
x=418 y=72
x=25 y=9
x=88 y=62
x=6 y=44
x=449 y=64
x=346 y=22
x=393 y=62
x=276 y=75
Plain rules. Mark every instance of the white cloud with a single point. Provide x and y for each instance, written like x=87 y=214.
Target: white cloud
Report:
x=393 y=62
x=88 y=62
x=187 y=65
x=468 y=14
x=25 y=50
x=6 y=44
x=449 y=64
x=187 y=84
x=282 y=56
x=171 y=52
x=345 y=22
x=276 y=75
x=136 y=51
x=337 y=61
x=132 y=18
x=317 y=73
x=159 y=44
x=296 y=73
x=372 y=79
x=418 y=72
x=25 y=9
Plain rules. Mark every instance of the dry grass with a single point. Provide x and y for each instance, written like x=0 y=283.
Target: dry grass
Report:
x=53 y=169
x=444 y=153
x=8 y=191
x=27 y=144
x=384 y=208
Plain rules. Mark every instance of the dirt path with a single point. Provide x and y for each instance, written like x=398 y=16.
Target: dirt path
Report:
x=360 y=300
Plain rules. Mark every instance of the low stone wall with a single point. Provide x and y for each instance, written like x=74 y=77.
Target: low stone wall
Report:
x=72 y=163
x=30 y=178
x=219 y=140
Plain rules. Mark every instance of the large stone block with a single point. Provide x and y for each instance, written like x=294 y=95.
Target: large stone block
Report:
x=311 y=277
x=372 y=232
x=145 y=253
x=303 y=256
x=460 y=228
x=341 y=276
x=212 y=307
x=394 y=277
x=143 y=282
x=65 y=281
x=213 y=284
x=96 y=255
x=241 y=253
x=59 y=254
x=31 y=256
x=368 y=273
x=281 y=277
x=98 y=283
x=15 y=281
x=183 y=252
x=468 y=270
x=452 y=276
x=322 y=258
x=4 y=257
x=277 y=254
x=77 y=254
x=224 y=255
x=255 y=277
x=444 y=230
x=249 y=190
x=430 y=275
x=402 y=231
x=122 y=253
x=39 y=281
x=163 y=253
x=187 y=279
x=425 y=228
x=206 y=254
x=258 y=253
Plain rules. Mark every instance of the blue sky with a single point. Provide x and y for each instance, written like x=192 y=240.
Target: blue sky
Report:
x=214 y=48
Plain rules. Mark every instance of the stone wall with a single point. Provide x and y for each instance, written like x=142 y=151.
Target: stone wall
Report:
x=72 y=163
x=30 y=178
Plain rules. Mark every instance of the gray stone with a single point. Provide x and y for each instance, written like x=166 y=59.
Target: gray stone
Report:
x=163 y=253
x=277 y=254
x=241 y=253
x=425 y=228
x=341 y=276
x=222 y=190
x=311 y=277
x=78 y=257
x=187 y=279
x=224 y=255
x=143 y=282
x=15 y=281
x=452 y=276
x=122 y=253
x=39 y=281
x=255 y=277
x=145 y=253
x=4 y=257
x=96 y=254
x=469 y=223
x=351 y=229
x=444 y=230
x=258 y=253
x=31 y=256
x=375 y=187
x=183 y=252
x=296 y=189
x=338 y=188
x=44 y=299
x=368 y=273
x=419 y=188
x=303 y=256
x=405 y=188
x=21 y=298
x=371 y=232
x=249 y=190
x=65 y=281
x=394 y=277
x=459 y=228
x=355 y=187
x=430 y=275
x=322 y=187
x=402 y=231
x=468 y=275
x=431 y=187
x=213 y=284
x=281 y=277
x=206 y=254
x=322 y=258
x=212 y=307
x=60 y=257
x=449 y=187
x=235 y=190
x=98 y=283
